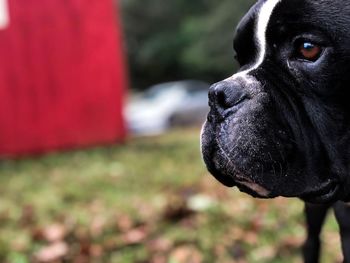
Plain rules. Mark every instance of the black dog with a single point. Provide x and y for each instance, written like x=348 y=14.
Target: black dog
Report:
x=281 y=125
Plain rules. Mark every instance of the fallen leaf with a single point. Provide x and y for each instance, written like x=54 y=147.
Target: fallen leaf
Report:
x=186 y=254
x=145 y=211
x=82 y=233
x=159 y=259
x=135 y=236
x=264 y=253
x=237 y=233
x=96 y=251
x=124 y=223
x=52 y=252
x=160 y=245
x=54 y=233
x=97 y=226
x=85 y=246
x=251 y=238
x=293 y=242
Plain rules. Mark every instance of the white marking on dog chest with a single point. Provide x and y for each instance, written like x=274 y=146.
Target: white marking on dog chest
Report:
x=262 y=23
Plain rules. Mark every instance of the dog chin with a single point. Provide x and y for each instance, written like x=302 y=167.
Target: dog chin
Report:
x=267 y=184
x=327 y=192
x=231 y=175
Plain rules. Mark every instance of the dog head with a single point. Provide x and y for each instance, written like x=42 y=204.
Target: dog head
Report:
x=280 y=126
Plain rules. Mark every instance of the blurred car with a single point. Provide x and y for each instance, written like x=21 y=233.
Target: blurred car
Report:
x=180 y=103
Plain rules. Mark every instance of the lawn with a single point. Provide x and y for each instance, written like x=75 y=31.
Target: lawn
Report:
x=149 y=200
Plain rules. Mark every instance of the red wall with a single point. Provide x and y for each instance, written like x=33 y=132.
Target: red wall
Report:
x=61 y=76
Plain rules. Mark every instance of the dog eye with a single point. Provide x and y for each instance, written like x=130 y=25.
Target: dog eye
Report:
x=309 y=51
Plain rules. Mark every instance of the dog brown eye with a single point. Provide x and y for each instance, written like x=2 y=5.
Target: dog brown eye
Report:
x=309 y=51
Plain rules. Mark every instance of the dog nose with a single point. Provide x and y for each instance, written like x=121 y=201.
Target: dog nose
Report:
x=225 y=95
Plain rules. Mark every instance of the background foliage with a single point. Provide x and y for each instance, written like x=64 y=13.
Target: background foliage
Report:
x=170 y=40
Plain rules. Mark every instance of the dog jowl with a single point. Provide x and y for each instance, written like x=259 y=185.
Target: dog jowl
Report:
x=280 y=125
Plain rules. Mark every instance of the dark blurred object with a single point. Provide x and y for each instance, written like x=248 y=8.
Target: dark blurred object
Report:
x=181 y=103
x=61 y=76
x=179 y=39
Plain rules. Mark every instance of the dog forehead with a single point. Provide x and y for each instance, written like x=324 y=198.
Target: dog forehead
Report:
x=321 y=12
x=325 y=14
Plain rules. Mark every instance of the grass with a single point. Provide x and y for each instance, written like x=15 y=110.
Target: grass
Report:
x=150 y=200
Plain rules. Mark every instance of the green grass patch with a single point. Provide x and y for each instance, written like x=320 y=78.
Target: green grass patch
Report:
x=131 y=203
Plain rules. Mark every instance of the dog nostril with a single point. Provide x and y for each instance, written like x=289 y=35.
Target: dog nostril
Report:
x=221 y=99
x=228 y=96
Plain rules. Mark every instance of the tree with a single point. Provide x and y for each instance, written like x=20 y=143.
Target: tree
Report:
x=180 y=39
